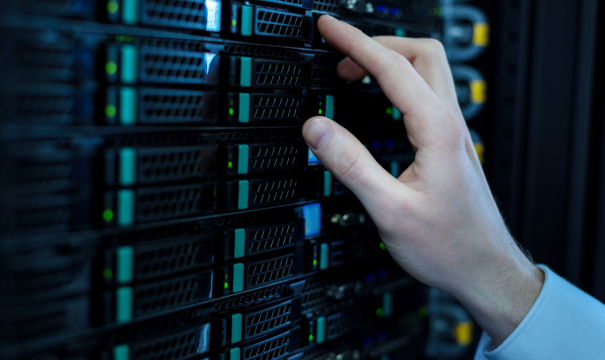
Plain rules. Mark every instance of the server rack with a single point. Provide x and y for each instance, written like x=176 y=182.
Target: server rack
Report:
x=158 y=200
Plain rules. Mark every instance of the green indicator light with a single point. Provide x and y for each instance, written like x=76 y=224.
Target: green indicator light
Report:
x=230 y=164
x=226 y=285
x=310 y=337
x=125 y=38
x=423 y=312
x=390 y=111
x=233 y=22
x=382 y=247
x=111 y=68
x=112 y=7
x=314 y=262
x=110 y=111
x=107 y=274
x=379 y=312
x=230 y=111
x=107 y=215
x=320 y=111
x=321 y=104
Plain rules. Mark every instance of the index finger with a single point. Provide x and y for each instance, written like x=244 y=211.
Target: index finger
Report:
x=423 y=111
x=428 y=58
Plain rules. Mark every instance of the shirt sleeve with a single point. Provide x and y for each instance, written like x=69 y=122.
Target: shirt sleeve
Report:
x=564 y=323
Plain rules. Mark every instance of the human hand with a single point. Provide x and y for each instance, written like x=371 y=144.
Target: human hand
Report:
x=439 y=219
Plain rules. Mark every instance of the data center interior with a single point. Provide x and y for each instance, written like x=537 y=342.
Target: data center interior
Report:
x=158 y=201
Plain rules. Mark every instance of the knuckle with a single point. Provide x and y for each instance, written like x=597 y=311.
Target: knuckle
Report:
x=395 y=60
x=433 y=47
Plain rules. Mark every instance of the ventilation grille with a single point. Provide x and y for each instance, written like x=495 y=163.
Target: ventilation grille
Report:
x=341 y=323
x=178 y=13
x=264 y=272
x=45 y=173
x=263 y=52
x=323 y=71
x=268 y=320
x=268 y=107
x=54 y=7
x=343 y=251
x=166 y=259
x=326 y=5
x=168 y=203
x=273 y=157
x=45 y=280
x=287 y=2
x=271 y=73
x=51 y=214
x=60 y=274
x=46 y=62
x=173 y=66
x=45 y=105
x=263 y=135
x=45 y=324
x=273 y=348
x=314 y=294
x=175 y=347
x=43 y=319
x=254 y=298
x=35 y=321
x=273 y=191
x=169 y=165
x=163 y=106
x=167 y=295
x=272 y=238
x=278 y=24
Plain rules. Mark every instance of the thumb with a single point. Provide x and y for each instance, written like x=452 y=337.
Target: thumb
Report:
x=350 y=162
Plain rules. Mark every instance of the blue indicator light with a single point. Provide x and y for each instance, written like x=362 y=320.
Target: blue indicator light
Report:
x=312 y=158
x=368 y=278
x=365 y=342
x=389 y=144
x=382 y=9
x=376 y=145
x=312 y=216
x=395 y=11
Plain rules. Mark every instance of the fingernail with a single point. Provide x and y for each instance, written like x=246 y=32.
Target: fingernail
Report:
x=318 y=133
x=328 y=16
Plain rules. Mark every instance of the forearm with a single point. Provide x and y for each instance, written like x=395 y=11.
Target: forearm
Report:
x=501 y=301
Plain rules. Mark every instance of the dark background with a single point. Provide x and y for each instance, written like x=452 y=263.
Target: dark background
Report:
x=543 y=129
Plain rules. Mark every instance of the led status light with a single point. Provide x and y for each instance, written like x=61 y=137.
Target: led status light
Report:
x=111 y=68
x=379 y=312
x=107 y=215
x=230 y=111
x=110 y=111
x=107 y=274
x=226 y=285
x=112 y=7
x=230 y=164
x=310 y=337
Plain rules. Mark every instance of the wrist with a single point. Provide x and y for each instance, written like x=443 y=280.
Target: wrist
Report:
x=501 y=299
